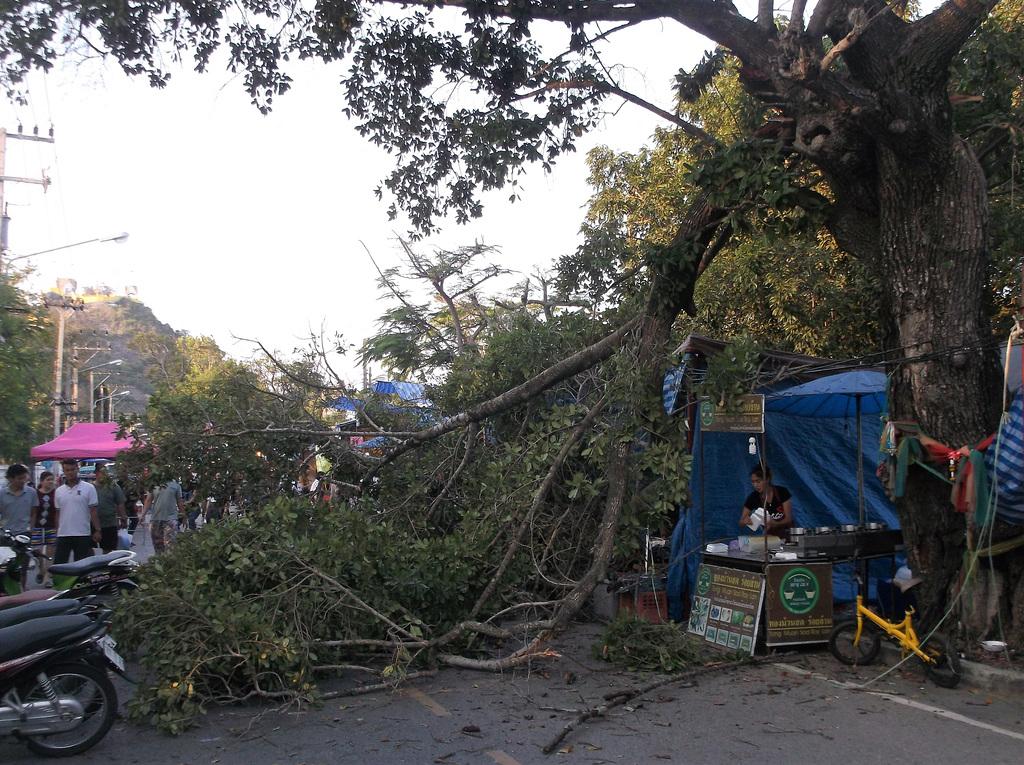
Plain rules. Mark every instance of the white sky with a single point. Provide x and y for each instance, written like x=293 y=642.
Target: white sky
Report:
x=254 y=227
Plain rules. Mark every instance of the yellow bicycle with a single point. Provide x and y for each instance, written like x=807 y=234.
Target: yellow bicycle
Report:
x=857 y=640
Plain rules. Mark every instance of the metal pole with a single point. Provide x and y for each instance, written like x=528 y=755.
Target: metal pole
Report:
x=92 y=397
x=73 y=413
x=58 y=370
x=860 y=465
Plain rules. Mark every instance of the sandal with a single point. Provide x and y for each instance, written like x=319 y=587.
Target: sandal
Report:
x=39 y=578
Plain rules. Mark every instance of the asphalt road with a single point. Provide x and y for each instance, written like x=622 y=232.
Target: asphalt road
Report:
x=813 y=711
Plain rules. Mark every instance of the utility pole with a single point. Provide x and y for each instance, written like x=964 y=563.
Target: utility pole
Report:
x=59 y=402
x=44 y=181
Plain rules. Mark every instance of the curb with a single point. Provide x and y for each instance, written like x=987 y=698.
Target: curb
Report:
x=979 y=676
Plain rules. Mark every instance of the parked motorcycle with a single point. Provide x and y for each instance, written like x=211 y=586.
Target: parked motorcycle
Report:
x=55 y=693
x=15 y=552
x=104 y=575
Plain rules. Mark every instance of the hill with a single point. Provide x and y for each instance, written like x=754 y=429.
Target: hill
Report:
x=100 y=333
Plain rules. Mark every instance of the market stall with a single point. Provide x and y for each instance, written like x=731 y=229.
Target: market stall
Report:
x=784 y=594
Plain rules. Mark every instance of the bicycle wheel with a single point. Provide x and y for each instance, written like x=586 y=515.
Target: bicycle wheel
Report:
x=79 y=686
x=945 y=672
x=841 y=644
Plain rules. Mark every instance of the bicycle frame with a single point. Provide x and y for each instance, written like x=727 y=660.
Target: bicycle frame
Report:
x=902 y=632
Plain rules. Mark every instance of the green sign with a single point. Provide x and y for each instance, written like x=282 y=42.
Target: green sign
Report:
x=704 y=581
x=798 y=603
x=750 y=419
x=800 y=591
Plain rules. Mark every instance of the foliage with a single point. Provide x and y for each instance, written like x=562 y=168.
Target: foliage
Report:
x=423 y=338
x=26 y=370
x=631 y=642
x=780 y=279
x=731 y=374
x=988 y=91
x=206 y=421
x=252 y=606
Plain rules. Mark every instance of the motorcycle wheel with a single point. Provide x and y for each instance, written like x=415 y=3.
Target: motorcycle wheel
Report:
x=89 y=686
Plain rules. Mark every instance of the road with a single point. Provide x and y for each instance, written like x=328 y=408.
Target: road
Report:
x=808 y=712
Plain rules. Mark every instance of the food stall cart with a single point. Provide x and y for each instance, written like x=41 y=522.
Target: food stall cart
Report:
x=779 y=597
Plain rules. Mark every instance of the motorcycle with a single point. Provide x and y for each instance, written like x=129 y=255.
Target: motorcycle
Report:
x=107 y=575
x=55 y=693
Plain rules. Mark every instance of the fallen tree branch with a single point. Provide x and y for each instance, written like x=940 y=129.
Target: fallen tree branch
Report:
x=618 y=698
x=483 y=628
x=553 y=375
x=538 y=499
x=363 y=689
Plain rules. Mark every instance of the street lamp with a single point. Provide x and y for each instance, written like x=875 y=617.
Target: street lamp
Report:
x=92 y=388
x=117 y=239
x=111 y=398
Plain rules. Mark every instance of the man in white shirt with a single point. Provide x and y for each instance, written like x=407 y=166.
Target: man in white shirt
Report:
x=79 y=525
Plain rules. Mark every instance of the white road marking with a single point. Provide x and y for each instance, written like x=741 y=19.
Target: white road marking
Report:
x=503 y=759
x=428 y=702
x=907 y=702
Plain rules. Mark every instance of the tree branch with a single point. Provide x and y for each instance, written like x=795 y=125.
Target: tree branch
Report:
x=553 y=375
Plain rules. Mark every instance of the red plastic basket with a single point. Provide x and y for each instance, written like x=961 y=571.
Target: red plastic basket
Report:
x=651 y=605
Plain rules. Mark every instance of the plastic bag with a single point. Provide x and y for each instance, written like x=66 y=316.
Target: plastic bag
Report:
x=124 y=540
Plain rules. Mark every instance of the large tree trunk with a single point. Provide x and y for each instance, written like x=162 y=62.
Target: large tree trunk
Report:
x=911 y=202
x=933 y=253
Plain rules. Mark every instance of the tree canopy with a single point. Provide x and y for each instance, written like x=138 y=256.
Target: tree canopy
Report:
x=26 y=370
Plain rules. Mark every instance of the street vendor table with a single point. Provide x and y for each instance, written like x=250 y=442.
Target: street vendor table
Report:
x=736 y=591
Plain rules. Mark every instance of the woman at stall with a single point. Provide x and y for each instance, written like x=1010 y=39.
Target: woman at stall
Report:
x=776 y=501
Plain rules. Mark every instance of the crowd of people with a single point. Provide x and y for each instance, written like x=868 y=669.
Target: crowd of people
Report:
x=71 y=520
x=68 y=517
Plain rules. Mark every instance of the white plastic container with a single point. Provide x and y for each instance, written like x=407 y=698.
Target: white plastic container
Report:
x=757 y=544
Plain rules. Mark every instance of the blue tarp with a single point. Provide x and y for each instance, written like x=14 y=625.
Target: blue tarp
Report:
x=346 y=404
x=409 y=392
x=832 y=396
x=815 y=457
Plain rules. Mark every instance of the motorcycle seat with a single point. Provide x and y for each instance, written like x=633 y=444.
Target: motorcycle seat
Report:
x=79 y=567
x=28 y=596
x=39 y=634
x=41 y=608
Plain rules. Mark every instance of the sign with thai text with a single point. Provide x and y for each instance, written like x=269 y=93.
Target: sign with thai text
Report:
x=727 y=607
x=799 y=604
x=750 y=419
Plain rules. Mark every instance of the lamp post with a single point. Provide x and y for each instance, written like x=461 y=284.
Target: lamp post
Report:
x=111 y=398
x=117 y=239
x=90 y=370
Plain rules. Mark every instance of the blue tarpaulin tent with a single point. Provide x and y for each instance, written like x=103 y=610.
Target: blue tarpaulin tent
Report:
x=411 y=393
x=811 y=445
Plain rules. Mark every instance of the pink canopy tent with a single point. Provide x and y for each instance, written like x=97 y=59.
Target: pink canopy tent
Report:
x=84 y=441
